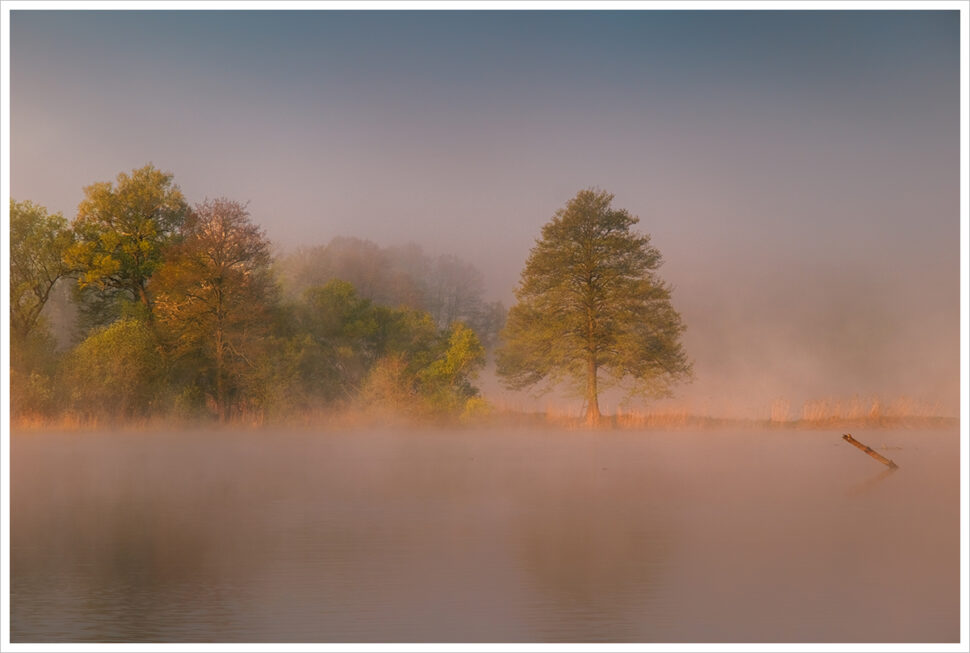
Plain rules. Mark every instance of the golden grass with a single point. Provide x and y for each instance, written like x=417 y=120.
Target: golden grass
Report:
x=856 y=411
x=869 y=408
x=37 y=422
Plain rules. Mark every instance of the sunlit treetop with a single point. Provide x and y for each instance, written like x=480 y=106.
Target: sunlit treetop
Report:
x=122 y=229
x=590 y=305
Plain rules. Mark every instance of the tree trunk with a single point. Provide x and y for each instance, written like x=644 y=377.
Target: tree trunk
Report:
x=592 y=398
x=220 y=386
x=221 y=346
x=146 y=300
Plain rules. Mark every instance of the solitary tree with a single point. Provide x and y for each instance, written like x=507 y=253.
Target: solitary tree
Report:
x=590 y=305
x=122 y=230
x=213 y=295
x=38 y=241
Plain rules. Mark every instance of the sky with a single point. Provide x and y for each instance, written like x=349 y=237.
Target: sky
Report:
x=799 y=171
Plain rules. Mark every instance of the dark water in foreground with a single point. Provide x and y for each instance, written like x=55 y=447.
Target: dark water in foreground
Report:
x=717 y=536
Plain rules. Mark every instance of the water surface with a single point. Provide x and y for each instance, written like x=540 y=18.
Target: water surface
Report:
x=491 y=536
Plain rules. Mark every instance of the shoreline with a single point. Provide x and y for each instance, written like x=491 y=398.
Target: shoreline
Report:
x=513 y=421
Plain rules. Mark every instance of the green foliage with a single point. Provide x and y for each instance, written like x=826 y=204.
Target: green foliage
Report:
x=117 y=371
x=350 y=335
x=342 y=333
x=409 y=333
x=590 y=302
x=445 y=287
x=447 y=380
x=394 y=359
x=38 y=243
x=35 y=351
x=122 y=231
x=390 y=277
x=33 y=366
x=289 y=376
x=178 y=312
x=432 y=375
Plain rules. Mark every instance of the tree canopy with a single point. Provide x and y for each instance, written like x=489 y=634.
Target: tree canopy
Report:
x=185 y=313
x=38 y=242
x=591 y=309
x=122 y=230
x=213 y=294
x=449 y=289
x=115 y=372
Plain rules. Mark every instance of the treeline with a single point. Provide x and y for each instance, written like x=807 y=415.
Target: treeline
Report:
x=447 y=288
x=183 y=312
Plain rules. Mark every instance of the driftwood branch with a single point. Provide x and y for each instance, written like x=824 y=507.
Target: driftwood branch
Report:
x=885 y=461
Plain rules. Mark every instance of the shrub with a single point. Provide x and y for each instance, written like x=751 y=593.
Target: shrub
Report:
x=116 y=372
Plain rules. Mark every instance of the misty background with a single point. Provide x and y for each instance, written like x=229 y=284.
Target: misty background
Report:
x=799 y=171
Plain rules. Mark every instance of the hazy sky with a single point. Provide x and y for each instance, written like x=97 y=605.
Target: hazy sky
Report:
x=798 y=170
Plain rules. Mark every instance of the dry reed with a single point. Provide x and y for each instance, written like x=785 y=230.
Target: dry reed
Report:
x=856 y=411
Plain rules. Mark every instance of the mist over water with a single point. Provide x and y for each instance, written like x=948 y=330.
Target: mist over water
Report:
x=485 y=535
x=798 y=171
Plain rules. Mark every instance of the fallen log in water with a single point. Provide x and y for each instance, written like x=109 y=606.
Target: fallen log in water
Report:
x=885 y=461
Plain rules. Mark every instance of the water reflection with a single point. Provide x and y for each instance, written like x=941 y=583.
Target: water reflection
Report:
x=115 y=563
x=870 y=483
x=594 y=550
x=481 y=537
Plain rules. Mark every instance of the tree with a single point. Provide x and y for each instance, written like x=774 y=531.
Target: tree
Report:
x=213 y=296
x=115 y=372
x=34 y=361
x=345 y=328
x=447 y=287
x=589 y=302
x=424 y=371
x=447 y=380
x=123 y=229
x=488 y=322
x=455 y=291
x=359 y=262
x=38 y=242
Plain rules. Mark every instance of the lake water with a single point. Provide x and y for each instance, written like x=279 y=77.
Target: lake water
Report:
x=485 y=536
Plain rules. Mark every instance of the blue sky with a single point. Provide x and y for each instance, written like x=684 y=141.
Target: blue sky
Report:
x=799 y=170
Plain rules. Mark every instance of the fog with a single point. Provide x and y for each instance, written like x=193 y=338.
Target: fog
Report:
x=798 y=170
x=484 y=535
x=799 y=173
